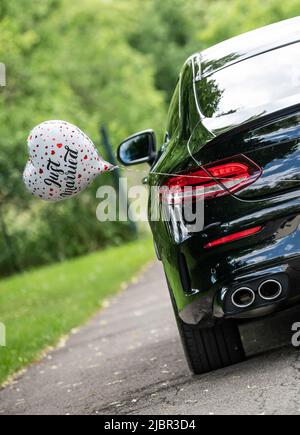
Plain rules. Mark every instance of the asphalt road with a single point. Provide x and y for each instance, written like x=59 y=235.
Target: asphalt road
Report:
x=129 y=360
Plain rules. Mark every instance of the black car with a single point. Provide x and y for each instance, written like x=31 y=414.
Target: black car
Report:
x=232 y=149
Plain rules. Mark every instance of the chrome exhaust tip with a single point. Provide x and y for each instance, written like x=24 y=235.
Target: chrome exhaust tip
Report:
x=270 y=290
x=243 y=297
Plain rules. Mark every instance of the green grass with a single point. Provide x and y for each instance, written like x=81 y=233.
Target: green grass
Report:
x=41 y=306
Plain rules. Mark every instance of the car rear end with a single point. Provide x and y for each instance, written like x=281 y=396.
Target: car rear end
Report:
x=242 y=163
x=248 y=179
x=246 y=260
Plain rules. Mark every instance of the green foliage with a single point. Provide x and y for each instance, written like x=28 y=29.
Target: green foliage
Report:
x=224 y=19
x=90 y=62
x=39 y=307
x=65 y=60
x=165 y=31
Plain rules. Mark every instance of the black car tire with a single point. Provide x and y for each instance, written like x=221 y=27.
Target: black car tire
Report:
x=209 y=349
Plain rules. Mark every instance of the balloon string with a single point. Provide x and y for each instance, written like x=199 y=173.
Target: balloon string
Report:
x=144 y=171
x=164 y=174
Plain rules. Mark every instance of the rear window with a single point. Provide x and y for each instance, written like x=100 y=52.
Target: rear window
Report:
x=258 y=81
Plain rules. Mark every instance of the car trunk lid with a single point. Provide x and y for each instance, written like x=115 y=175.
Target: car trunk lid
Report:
x=274 y=147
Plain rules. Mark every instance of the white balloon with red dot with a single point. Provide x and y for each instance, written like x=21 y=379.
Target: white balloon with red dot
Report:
x=63 y=161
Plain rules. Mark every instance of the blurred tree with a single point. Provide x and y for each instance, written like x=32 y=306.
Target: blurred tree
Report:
x=165 y=31
x=65 y=60
x=226 y=18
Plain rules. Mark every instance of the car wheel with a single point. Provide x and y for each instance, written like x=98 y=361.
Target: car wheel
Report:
x=209 y=349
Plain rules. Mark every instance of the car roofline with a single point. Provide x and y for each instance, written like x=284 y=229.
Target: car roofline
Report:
x=246 y=46
x=247 y=56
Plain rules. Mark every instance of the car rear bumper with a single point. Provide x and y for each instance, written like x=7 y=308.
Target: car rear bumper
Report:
x=203 y=280
x=216 y=303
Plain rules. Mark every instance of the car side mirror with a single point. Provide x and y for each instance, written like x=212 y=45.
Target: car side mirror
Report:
x=137 y=149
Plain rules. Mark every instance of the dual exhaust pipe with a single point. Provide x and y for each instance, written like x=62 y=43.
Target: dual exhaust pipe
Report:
x=269 y=290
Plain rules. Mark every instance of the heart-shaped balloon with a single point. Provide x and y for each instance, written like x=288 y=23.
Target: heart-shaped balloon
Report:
x=63 y=161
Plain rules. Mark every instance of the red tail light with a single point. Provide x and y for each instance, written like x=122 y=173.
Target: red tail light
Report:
x=214 y=180
x=233 y=237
